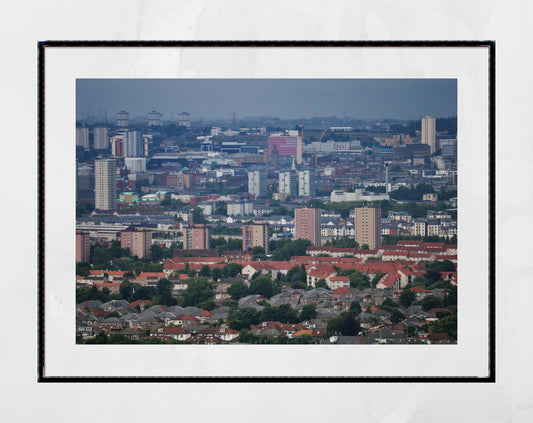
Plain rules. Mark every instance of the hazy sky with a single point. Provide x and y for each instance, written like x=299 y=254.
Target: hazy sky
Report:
x=283 y=98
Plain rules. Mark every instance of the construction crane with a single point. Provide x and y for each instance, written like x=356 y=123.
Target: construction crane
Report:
x=314 y=146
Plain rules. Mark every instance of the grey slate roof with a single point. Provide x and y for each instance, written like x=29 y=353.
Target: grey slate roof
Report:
x=132 y=317
x=193 y=311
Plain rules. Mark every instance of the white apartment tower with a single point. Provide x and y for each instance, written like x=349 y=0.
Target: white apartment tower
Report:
x=101 y=141
x=82 y=137
x=257 y=183
x=184 y=119
x=105 y=190
x=133 y=144
x=135 y=164
x=306 y=183
x=123 y=119
x=155 y=118
x=429 y=133
x=288 y=183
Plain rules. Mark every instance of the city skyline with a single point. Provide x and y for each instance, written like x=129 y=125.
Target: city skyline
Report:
x=365 y=99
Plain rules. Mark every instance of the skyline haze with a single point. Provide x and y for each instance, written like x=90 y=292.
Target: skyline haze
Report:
x=402 y=99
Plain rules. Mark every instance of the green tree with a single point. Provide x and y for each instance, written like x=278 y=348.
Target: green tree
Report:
x=198 y=290
x=143 y=293
x=207 y=305
x=344 y=324
x=217 y=273
x=355 y=307
x=247 y=337
x=101 y=338
x=237 y=290
x=396 y=316
x=264 y=286
x=359 y=280
x=232 y=269
x=197 y=215
x=296 y=274
x=389 y=302
x=451 y=297
x=447 y=325
x=243 y=318
x=205 y=271
x=407 y=297
x=308 y=312
x=164 y=289
x=126 y=290
x=156 y=252
x=430 y=302
x=321 y=283
x=83 y=269
x=441 y=266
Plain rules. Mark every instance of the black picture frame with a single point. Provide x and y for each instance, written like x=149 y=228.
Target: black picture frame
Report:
x=43 y=378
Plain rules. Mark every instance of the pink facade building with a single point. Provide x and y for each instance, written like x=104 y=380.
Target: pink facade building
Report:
x=307 y=225
x=196 y=237
x=285 y=145
x=83 y=247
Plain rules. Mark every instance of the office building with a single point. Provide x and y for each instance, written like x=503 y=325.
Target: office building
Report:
x=105 y=191
x=84 y=183
x=101 y=141
x=429 y=133
x=257 y=183
x=448 y=148
x=178 y=180
x=184 y=119
x=117 y=145
x=307 y=225
x=255 y=235
x=306 y=183
x=289 y=144
x=123 y=119
x=288 y=183
x=155 y=118
x=368 y=227
x=133 y=144
x=82 y=137
x=138 y=241
x=240 y=208
x=197 y=237
x=135 y=164
x=83 y=247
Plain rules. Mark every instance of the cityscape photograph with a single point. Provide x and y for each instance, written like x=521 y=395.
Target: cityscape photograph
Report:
x=266 y=211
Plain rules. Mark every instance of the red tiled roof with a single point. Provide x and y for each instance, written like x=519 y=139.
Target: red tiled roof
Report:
x=419 y=255
x=446 y=257
x=339 y=278
x=389 y=279
x=139 y=302
x=395 y=253
x=437 y=310
x=419 y=289
x=170 y=331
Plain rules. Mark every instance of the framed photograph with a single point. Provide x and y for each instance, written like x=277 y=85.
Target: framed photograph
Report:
x=266 y=211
